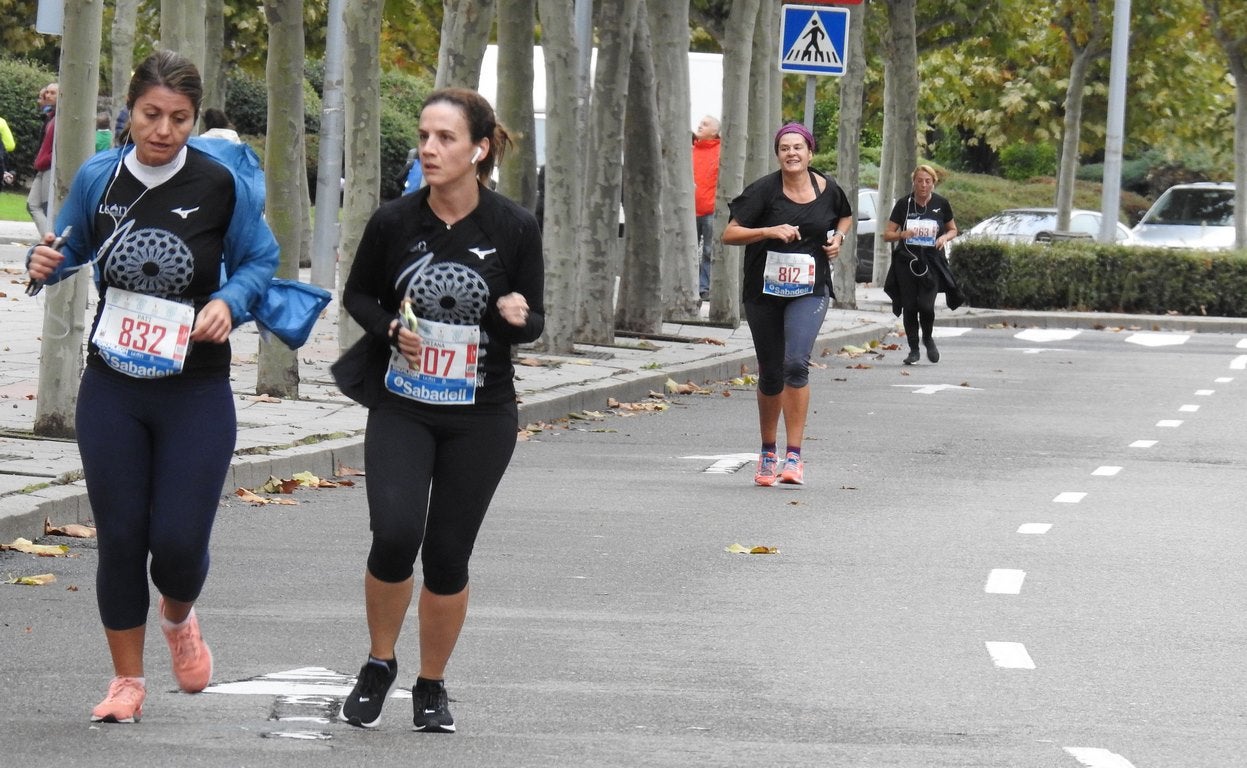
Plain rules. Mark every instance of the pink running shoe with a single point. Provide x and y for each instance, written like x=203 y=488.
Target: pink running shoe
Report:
x=192 y=659
x=124 y=702
x=794 y=470
x=767 y=462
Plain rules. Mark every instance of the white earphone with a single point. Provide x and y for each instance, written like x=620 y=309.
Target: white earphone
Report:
x=476 y=156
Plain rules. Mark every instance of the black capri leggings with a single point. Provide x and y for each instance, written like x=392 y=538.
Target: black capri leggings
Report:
x=432 y=472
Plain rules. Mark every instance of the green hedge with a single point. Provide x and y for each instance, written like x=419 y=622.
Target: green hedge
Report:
x=1102 y=278
x=20 y=83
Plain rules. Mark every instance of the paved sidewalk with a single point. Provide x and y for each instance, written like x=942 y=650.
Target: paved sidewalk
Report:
x=42 y=477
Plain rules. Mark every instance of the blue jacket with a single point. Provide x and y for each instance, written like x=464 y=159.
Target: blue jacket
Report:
x=250 y=254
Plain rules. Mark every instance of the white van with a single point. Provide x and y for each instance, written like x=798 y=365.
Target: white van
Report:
x=705 y=88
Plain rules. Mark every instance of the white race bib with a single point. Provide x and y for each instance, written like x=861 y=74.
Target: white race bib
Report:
x=926 y=230
x=447 y=372
x=143 y=336
x=788 y=274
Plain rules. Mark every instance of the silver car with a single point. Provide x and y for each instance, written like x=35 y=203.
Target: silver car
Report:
x=1199 y=215
x=1029 y=225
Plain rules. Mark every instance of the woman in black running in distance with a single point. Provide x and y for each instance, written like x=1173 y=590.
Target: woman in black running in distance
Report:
x=920 y=225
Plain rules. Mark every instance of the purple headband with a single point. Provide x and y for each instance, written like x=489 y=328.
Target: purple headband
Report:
x=798 y=129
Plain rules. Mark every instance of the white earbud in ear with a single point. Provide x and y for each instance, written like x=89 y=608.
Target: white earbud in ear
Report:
x=475 y=156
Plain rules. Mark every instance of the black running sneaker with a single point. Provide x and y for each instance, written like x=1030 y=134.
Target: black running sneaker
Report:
x=362 y=707
x=432 y=707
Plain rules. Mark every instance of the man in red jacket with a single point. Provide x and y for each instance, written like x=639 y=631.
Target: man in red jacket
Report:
x=40 y=197
x=705 y=185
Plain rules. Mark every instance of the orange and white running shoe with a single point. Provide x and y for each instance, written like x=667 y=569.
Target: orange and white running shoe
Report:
x=124 y=702
x=767 y=462
x=794 y=470
x=192 y=659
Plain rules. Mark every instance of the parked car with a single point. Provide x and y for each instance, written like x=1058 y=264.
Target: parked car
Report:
x=1029 y=225
x=867 y=215
x=1199 y=215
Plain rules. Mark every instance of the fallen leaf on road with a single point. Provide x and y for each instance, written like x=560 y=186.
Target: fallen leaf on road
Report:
x=687 y=388
x=34 y=581
x=264 y=399
x=69 y=529
x=641 y=406
x=737 y=549
x=860 y=367
x=708 y=340
x=252 y=498
x=345 y=471
x=42 y=550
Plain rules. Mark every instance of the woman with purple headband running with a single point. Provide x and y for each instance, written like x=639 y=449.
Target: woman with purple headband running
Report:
x=792 y=223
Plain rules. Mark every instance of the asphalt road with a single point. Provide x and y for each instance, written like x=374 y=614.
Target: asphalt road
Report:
x=1027 y=555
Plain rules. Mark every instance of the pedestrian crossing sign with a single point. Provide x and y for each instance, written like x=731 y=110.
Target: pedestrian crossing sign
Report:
x=813 y=40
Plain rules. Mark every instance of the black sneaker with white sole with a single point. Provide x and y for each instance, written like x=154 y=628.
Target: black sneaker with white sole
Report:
x=362 y=707
x=432 y=707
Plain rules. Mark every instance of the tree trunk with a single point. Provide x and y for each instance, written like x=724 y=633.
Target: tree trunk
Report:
x=669 y=34
x=1230 y=30
x=563 y=172
x=1084 y=54
x=182 y=28
x=465 y=33
x=598 y=243
x=759 y=149
x=734 y=128
x=278 y=369
x=60 y=350
x=887 y=179
x=125 y=16
x=646 y=198
x=362 y=86
x=214 y=47
x=900 y=116
x=848 y=152
x=517 y=176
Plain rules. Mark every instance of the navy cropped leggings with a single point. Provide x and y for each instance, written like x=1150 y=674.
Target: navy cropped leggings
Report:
x=155 y=453
x=432 y=472
x=783 y=333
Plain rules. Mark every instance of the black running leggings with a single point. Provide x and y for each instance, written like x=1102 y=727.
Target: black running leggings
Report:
x=432 y=471
x=155 y=453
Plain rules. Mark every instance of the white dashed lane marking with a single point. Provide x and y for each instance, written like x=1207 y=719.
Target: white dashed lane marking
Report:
x=1069 y=497
x=1106 y=471
x=1009 y=655
x=1004 y=581
x=1188 y=408
x=1035 y=528
x=1094 y=757
x=1239 y=363
x=1047 y=334
x=1204 y=392
x=1143 y=443
x=1169 y=423
x=1146 y=339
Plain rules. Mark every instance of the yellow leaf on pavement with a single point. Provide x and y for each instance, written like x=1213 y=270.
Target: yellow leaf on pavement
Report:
x=737 y=549
x=34 y=581
x=42 y=550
